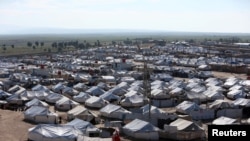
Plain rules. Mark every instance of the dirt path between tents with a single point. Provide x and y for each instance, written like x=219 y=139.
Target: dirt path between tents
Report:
x=12 y=126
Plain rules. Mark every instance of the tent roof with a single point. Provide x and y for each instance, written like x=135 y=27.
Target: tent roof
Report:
x=110 y=108
x=138 y=125
x=242 y=102
x=220 y=104
x=80 y=124
x=224 y=121
x=188 y=105
x=37 y=110
x=56 y=131
x=77 y=110
x=36 y=102
x=183 y=124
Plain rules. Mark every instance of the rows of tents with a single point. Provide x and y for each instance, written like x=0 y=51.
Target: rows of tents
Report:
x=199 y=99
x=93 y=88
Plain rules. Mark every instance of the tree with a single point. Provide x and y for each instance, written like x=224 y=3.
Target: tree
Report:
x=36 y=43
x=59 y=49
x=45 y=50
x=41 y=43
x=60 y=44
x=29 y=44
x=34 y=47
x=4 y=48
x=127 y=42
x=98 y=43
x=65 y=44
x=49 y=50
x=54 y=44
x=88 y=45
x=12 y=46
x=191 y=41
x=113 y=43
x=81 y=46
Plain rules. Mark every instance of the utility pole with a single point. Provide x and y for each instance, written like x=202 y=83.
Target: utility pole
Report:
x=147 y=86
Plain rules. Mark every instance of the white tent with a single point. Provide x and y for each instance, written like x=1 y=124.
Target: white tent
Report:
x=82 y=125
x=40 y=115
x=53 y=97
x=16 y=89
x=176 y=83
x=123 y=85
x=58 y=87
x=65 y=104
x=242 y=102
x=80 y=112
x=137 y=83
x=213 y=94
x=80 y=87
x=182 y=129
x=159 y=94
x=133 y=101
x=114 y=111
x=109 y=96
x=176 y=91
x=156 y=112
x=81 y=97
x=95 y=102
x=231 y=81
x=4 y=94
x=17 y=99
x=213 y=82
x=103 y=86
x=236 y=87
x=49 y=132
x=158 y=82
x=136 y=88
x=226 y=108
x=140 y=129
x=35 y=94
x=95 y=91
x=224 y=121
x=118 y=91
x=36 y=102
x=234 y=94
x=186 y=107
x=69 y=91
x=185 y=125
x=39 y=87
x=221 y=104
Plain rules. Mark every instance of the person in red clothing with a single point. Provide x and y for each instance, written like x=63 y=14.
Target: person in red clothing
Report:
x=116 y=136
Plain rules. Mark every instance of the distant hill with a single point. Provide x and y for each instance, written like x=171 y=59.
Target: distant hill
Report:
x=7 y=29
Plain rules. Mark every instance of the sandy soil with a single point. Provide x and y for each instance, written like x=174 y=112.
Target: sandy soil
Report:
x=12 y=126
x=225 y=75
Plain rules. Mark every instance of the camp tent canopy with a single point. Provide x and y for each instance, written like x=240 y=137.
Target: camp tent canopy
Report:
x=224 y=121
x=140 y=129
x=48 y=132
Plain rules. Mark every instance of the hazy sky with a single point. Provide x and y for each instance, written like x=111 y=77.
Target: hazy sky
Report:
x=164 y=15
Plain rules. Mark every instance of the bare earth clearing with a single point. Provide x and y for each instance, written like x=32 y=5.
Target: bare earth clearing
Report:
x=12 y=126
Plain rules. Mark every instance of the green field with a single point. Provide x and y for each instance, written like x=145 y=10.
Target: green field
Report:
x=20 y=41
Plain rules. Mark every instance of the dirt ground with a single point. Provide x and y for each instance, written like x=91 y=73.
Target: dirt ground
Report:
x=12 y=126
x=225 y=75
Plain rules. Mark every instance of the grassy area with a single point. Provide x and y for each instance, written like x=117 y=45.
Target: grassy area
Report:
x=19 y=50
x=20 y=41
